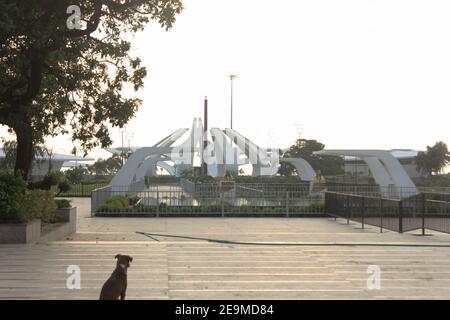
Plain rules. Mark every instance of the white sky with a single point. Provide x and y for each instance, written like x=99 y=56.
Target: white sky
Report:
x=354 y=74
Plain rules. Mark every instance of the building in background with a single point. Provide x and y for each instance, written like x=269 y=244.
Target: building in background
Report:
x=54 y=162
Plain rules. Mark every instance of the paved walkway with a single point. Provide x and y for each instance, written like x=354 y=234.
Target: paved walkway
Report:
x=277 y=265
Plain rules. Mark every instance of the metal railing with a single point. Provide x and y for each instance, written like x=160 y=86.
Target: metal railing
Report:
x=423 y=211
x=81 y=189
x=207 y=199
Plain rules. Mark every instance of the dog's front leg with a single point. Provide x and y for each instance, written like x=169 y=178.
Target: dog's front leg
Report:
x=122 y=295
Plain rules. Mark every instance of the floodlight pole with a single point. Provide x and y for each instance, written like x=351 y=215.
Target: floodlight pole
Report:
x=232 y=78
x=122 y=131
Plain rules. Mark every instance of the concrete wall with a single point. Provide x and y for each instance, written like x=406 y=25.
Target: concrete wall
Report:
x=20 y=232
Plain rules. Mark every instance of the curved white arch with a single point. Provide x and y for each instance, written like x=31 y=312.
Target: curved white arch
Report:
x=385 y=168
x=305 y=171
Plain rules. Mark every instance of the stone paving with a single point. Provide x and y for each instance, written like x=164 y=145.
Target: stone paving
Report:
x=296 y=258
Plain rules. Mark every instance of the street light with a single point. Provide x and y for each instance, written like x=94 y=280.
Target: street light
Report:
x=129 y=136
x=122 y=131
x=232 y=77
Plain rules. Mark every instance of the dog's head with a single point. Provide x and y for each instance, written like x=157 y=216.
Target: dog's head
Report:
x=123 y=261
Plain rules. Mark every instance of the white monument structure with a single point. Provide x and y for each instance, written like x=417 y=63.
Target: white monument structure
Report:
x=224 y=152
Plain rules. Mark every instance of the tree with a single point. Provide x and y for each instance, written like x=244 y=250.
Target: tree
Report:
x=303 y=148
x=75 y=175
x=106 y=167
x=434 y=160
x=53 y=78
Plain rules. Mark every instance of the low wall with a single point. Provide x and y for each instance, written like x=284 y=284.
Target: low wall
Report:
x=61 y=230
x=29 y=232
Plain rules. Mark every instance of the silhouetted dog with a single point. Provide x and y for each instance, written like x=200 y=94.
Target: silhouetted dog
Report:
x=116 y=286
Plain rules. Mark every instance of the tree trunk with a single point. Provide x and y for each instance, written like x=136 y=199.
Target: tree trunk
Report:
x=24 y=154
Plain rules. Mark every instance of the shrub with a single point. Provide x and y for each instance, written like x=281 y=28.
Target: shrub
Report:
x=75 y=175
x=38 y=204
x=115 y=204
x=12 y=193
x=47 y=182
x=64 y=186
x=133 y=200
x=63 y=203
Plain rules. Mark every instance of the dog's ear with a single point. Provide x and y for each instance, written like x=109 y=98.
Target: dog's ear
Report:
x=130 y=259
x=117 y=256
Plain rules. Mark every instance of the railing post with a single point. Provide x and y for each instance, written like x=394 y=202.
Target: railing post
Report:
x=400 y=216
x=92 y=203
x=157 y=202
x=334 y=206
x=222 y=200
x=381 y=215
x=363 y=209
x=424 y=210
x=287 y=204
x=348 y=209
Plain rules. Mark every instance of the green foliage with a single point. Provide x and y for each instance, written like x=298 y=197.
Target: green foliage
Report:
x=64 y=186
x=54 y=80
x=63 y=203
x=187 y=173
x=108 y=166
x=39 y=204
x=303 y=148
x=434 y=181
x=50 y=180
x=115 y=203
x=434 y=160
x=12 y=194
x=75 y=175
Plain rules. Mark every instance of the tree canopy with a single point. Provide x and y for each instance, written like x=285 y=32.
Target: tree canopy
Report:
x=303 y=148
x=107 y=166
x=55 y=80
x=434 y=160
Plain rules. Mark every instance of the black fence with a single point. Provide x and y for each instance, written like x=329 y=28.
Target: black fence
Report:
x=81 y=189
x=421 y=211
x=246 y=200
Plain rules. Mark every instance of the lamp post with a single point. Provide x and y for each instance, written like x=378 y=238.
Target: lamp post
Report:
x=130 y=136
x=232 y=78
x=122 y=131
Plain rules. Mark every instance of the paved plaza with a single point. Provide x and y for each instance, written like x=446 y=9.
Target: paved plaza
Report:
x=230 y=258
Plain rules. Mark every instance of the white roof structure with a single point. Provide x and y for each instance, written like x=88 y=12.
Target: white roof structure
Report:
x=56 y=157
x=54 y=162
x=397 y=153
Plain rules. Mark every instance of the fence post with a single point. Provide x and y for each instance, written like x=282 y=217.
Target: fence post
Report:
x=82 y=190
x=92 y=203
x=287 y=204
x=157 y=202
x=363 y=209
x=348 y=209
x=222 y=203
x=381 y=215
x=424 y=210
x=334 y=206
x=400 y=216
